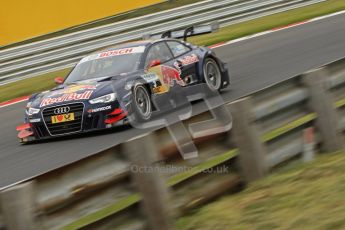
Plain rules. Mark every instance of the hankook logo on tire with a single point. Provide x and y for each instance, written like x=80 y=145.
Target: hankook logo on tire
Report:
x=62 y=110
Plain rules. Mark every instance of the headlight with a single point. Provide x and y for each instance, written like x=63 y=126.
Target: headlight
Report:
x=31 y=111
x=104 y=99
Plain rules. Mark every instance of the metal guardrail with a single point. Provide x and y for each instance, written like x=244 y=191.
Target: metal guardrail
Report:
x=65 y=51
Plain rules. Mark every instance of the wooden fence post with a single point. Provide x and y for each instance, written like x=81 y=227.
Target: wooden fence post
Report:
x=320 y=101
x=142 y=153
x=252 y=152
x=18 y=207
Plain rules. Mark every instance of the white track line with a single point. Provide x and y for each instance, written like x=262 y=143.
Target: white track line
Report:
x=278 y=29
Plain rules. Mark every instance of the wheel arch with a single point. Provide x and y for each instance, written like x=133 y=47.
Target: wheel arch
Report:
x=222 y=66
x=202 y=62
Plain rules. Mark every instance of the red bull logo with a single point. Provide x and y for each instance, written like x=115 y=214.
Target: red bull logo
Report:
x=67 y=97
x=74 y=89
x=77 y=88
x=187 y=60
x=171 y=76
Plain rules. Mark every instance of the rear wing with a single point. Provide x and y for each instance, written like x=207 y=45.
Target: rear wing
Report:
x=188 y=32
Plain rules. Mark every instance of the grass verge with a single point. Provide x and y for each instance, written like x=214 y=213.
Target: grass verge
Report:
x=44 y=82
x=31 y=85
x=269 y=22
x=305 y=196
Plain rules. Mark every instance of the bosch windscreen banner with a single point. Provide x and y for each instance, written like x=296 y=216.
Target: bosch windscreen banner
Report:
x=115 y=52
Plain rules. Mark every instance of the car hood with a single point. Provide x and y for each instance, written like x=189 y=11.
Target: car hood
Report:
x=69 y=93
x=84 y=90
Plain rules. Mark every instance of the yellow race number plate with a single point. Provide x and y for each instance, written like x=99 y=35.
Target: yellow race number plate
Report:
x=62 y=118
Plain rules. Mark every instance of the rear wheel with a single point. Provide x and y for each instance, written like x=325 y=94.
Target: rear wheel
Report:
x=212 y=75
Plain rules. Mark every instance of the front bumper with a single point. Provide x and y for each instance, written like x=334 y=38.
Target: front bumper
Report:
x=90 y=118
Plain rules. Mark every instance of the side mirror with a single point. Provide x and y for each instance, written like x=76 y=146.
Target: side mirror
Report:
x=154 y=63
x=59 y=80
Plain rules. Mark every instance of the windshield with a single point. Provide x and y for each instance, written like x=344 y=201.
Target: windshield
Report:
x=105 y=64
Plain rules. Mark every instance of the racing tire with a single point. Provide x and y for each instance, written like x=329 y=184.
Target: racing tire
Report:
x=212 y=75
x=141 y=104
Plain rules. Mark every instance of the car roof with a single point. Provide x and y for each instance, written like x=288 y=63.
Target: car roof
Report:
x=131 y=44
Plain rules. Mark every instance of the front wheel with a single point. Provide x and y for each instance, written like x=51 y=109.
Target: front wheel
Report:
x=212 y=75
x=141 y=104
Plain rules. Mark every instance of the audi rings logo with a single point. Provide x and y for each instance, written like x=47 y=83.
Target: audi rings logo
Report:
x=62 y=110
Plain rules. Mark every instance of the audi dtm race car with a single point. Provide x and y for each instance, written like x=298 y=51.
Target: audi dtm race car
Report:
x=118 y=84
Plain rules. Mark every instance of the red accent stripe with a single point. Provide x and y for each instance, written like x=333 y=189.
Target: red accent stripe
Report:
x=290 y=25
x=216 y=45
x=23 y=126
x=116 y=112
x=115 y=119
x=14 y=101
x=25 y=133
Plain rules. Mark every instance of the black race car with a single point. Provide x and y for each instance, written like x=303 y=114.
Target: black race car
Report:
x=117 y=85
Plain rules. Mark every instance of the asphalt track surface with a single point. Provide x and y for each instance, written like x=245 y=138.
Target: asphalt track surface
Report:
x=254 y=64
